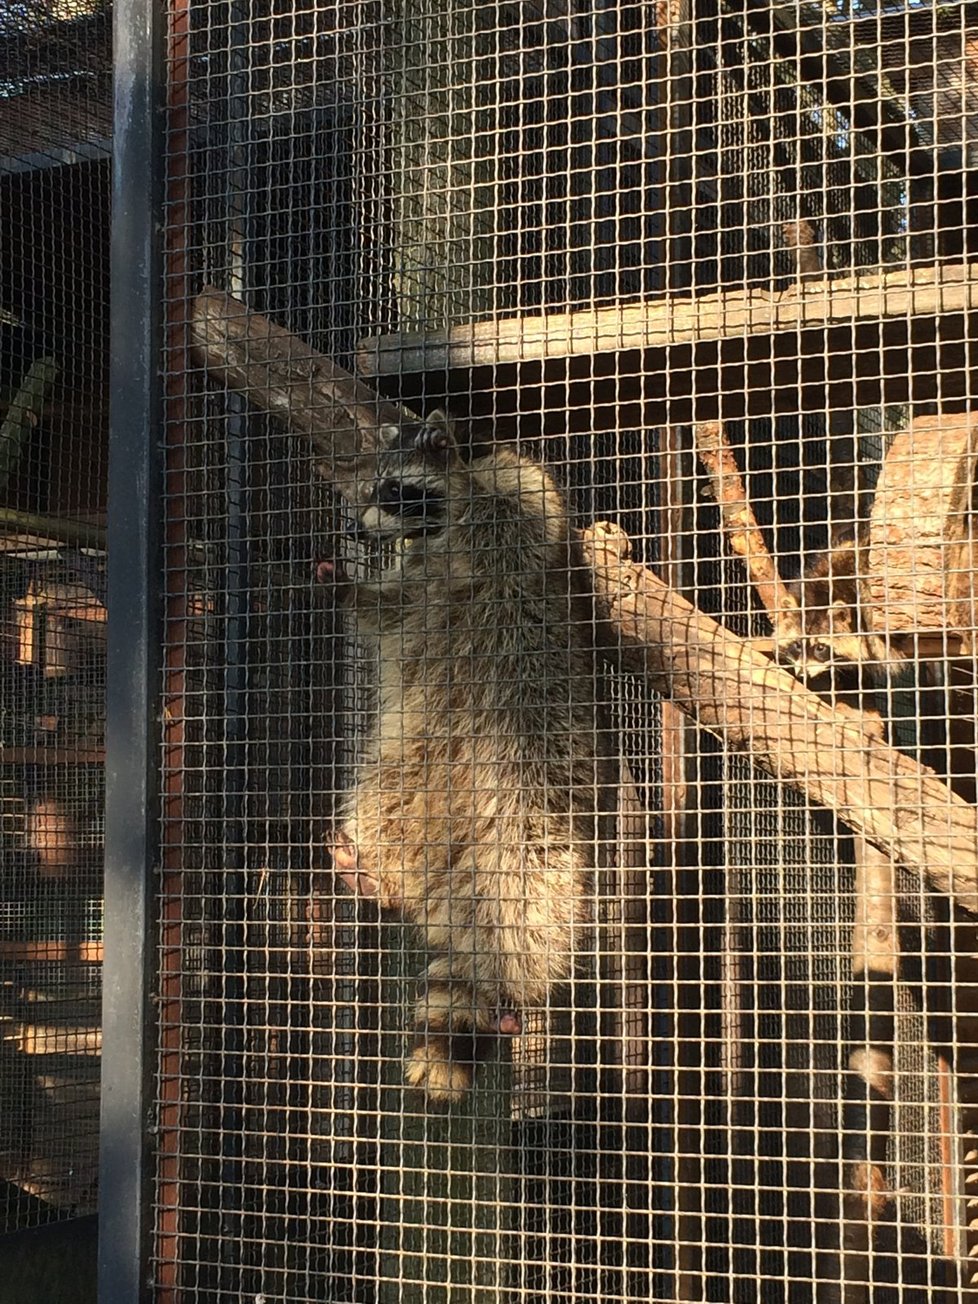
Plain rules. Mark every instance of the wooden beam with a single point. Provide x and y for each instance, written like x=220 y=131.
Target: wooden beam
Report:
x=743 y=533
x=666 y=322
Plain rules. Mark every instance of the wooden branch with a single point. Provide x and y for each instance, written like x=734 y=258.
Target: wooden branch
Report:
x=30 y=530
x=868 y=1113
x=900 y=807
x=746 y=540
x=279 y=373
x=23 y=415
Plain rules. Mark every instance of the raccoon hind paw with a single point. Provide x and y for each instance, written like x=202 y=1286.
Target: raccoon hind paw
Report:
x=346 y=863
x=451 y=1041
x=432 y=1068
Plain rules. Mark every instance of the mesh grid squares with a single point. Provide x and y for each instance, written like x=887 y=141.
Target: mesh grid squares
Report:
x=604 y=240
x=55 y=129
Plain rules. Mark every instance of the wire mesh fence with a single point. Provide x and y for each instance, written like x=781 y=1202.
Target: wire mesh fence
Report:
x=55 y=123
x=567 y=868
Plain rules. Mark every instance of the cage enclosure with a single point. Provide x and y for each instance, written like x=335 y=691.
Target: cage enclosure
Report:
x=55 y=133
x=542 y=859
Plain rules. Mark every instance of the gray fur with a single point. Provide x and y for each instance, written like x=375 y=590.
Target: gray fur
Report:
x=474 y=813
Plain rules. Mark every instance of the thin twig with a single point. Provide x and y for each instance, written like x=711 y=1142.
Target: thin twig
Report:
x=746 y=540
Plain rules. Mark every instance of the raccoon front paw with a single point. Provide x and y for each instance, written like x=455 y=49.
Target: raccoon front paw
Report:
x=346 y=864
x=435 y=440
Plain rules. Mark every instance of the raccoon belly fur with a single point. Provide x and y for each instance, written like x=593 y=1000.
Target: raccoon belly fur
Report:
x=475 y=811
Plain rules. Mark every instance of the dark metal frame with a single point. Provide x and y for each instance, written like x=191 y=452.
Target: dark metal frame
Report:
x=134 y=650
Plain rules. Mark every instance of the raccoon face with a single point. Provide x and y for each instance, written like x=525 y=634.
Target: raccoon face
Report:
x=808 y=658
x=829 y=642
x=408 y=495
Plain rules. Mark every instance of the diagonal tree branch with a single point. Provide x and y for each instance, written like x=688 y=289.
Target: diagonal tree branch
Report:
x=900 y=806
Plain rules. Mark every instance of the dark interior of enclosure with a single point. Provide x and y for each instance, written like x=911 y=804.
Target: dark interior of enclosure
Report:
x=55 y=123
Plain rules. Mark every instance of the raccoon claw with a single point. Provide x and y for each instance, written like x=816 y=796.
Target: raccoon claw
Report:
x=435 y=442
x=345 y=863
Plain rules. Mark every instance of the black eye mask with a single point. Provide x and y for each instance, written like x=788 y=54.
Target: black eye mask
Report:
x=412 y=501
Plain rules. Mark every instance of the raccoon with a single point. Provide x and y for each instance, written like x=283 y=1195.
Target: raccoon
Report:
x=836 y=638
x=476 y=810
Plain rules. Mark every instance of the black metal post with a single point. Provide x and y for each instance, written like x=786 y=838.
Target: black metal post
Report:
x=134 y=650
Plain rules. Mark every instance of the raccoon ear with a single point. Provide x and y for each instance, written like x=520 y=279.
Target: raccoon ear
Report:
x=436 y=438
x=842 y=617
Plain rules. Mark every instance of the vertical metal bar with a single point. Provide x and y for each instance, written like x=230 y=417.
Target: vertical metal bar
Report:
x=169 y=1198
x=234 y=724
x=682 y=793
x=134 y=650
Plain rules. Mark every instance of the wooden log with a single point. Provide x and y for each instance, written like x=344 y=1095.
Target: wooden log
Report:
x=920 y=572
x=280 y=374
x=901 y=807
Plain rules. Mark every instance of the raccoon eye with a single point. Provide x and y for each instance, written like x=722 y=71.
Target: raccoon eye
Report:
x=405 y=499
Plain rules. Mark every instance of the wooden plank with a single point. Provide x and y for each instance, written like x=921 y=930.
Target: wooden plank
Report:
x=37 y=1039
x=661 y=323
x=919 y=574
x=51 y=952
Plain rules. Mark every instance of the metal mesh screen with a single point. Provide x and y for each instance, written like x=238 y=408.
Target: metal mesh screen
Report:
x=538 y=920
x=55 y=117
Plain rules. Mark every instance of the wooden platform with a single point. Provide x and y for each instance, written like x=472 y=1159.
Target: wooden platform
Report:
x=890 y=336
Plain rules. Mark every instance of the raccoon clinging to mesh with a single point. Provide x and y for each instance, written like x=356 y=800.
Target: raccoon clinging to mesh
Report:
x=475 y=810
